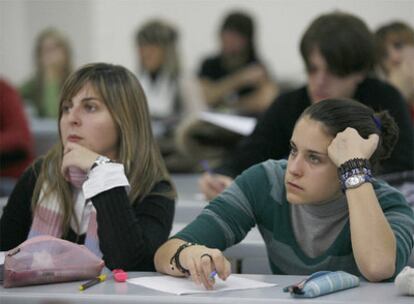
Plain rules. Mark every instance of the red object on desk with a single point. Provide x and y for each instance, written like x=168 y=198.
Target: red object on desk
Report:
x=120 y=275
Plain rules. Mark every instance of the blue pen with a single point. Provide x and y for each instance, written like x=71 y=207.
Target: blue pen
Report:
x=205 y=165
x=212 y=275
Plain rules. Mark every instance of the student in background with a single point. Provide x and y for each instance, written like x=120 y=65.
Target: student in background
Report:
x=235 y=81
x=169 y=93
x=338 y=51
x=104 y=184
x=159 y=71
x=16 y=142
x=53 y=64
x=395 y=52
x=327 y=183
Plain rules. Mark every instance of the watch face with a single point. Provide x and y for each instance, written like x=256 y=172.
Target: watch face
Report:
x=102 y=160
x=354 y=181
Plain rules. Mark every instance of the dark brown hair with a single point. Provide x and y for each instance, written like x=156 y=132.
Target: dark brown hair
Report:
x=344 y=41
x=338 y=114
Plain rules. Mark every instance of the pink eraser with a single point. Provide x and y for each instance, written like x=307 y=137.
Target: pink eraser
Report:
x=120 y=275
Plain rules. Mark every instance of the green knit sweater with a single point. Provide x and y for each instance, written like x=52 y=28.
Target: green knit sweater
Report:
x=257 y=197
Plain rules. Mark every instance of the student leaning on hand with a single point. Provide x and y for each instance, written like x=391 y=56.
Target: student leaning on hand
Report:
x=322 y=209
x=104 y=183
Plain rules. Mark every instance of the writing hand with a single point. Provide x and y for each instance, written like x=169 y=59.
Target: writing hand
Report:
x=202 y=261
x=212 y=185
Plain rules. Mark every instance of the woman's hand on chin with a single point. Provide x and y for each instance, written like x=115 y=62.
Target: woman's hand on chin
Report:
x=77 y=156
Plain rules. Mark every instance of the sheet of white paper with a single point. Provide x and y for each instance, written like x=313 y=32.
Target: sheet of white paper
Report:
x=2 y=254
x=182 y=286
x=239 y=124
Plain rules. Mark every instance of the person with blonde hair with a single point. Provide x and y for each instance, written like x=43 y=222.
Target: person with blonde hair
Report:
x=171 y=95
x=53 y=64
x=104 y=184
x=159 y=70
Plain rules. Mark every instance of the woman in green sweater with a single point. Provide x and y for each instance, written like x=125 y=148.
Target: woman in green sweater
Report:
x=322 y=209
x=53 y=62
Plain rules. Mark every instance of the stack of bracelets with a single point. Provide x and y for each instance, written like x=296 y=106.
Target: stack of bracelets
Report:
x=354 y=173
x=175 y=259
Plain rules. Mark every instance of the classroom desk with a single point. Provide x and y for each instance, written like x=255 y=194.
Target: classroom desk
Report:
x=112 y=292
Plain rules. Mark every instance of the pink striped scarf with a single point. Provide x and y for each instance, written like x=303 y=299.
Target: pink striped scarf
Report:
x=48 y=217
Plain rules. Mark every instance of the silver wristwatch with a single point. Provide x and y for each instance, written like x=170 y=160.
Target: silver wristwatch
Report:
x=100 y=160
x=355 y=181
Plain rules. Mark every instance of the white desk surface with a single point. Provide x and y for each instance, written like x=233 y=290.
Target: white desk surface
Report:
x=112 y=292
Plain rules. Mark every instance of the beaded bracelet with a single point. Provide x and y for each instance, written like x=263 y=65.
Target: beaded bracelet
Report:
x=176 y=258
x=354 y=163
x=357 y=169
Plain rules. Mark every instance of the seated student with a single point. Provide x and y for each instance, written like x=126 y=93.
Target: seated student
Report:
x=338 y=51
x=167 y=89
x=104 y=183
x=159 y=73
x=53 y=64
x=234 y=81
x=359 y=224
x=16 y=142
x=395 y=52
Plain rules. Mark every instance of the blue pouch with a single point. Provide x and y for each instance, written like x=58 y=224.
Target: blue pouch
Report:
x=321 y=283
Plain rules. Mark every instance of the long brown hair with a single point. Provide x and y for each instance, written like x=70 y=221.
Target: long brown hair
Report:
x=138 y=152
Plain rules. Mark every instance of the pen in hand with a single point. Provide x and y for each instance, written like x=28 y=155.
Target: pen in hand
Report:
x=93 y=282
x=212 y=275
x=206 y=167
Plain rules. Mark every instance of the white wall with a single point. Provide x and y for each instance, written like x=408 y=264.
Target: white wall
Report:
x=103 y=30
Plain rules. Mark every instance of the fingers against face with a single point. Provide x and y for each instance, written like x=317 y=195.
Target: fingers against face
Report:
x=77 y=156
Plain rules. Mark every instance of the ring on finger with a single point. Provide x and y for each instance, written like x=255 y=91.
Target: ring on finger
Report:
x=207 y=255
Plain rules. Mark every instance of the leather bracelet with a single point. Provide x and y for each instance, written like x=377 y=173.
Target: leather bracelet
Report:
x=175 y=259
x=354 y=163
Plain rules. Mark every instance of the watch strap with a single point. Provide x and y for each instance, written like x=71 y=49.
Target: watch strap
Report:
x=100 y=160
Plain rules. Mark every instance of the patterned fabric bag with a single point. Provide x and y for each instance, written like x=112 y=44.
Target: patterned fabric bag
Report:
x=321 y=283
x=46 y=259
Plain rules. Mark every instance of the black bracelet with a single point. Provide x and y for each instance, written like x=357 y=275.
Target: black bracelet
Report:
x=175 y=259
x=354 y=164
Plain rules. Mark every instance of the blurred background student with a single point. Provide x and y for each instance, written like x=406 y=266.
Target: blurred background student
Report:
x=170 y=94
x=234 y=81
x=53 y=64
x=395 y=52
x=16 y=142
x=159 y=69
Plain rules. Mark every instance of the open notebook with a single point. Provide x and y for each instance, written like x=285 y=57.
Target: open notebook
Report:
x=235 y=123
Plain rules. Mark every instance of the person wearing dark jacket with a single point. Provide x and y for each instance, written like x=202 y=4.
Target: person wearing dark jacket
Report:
x=338 y=52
